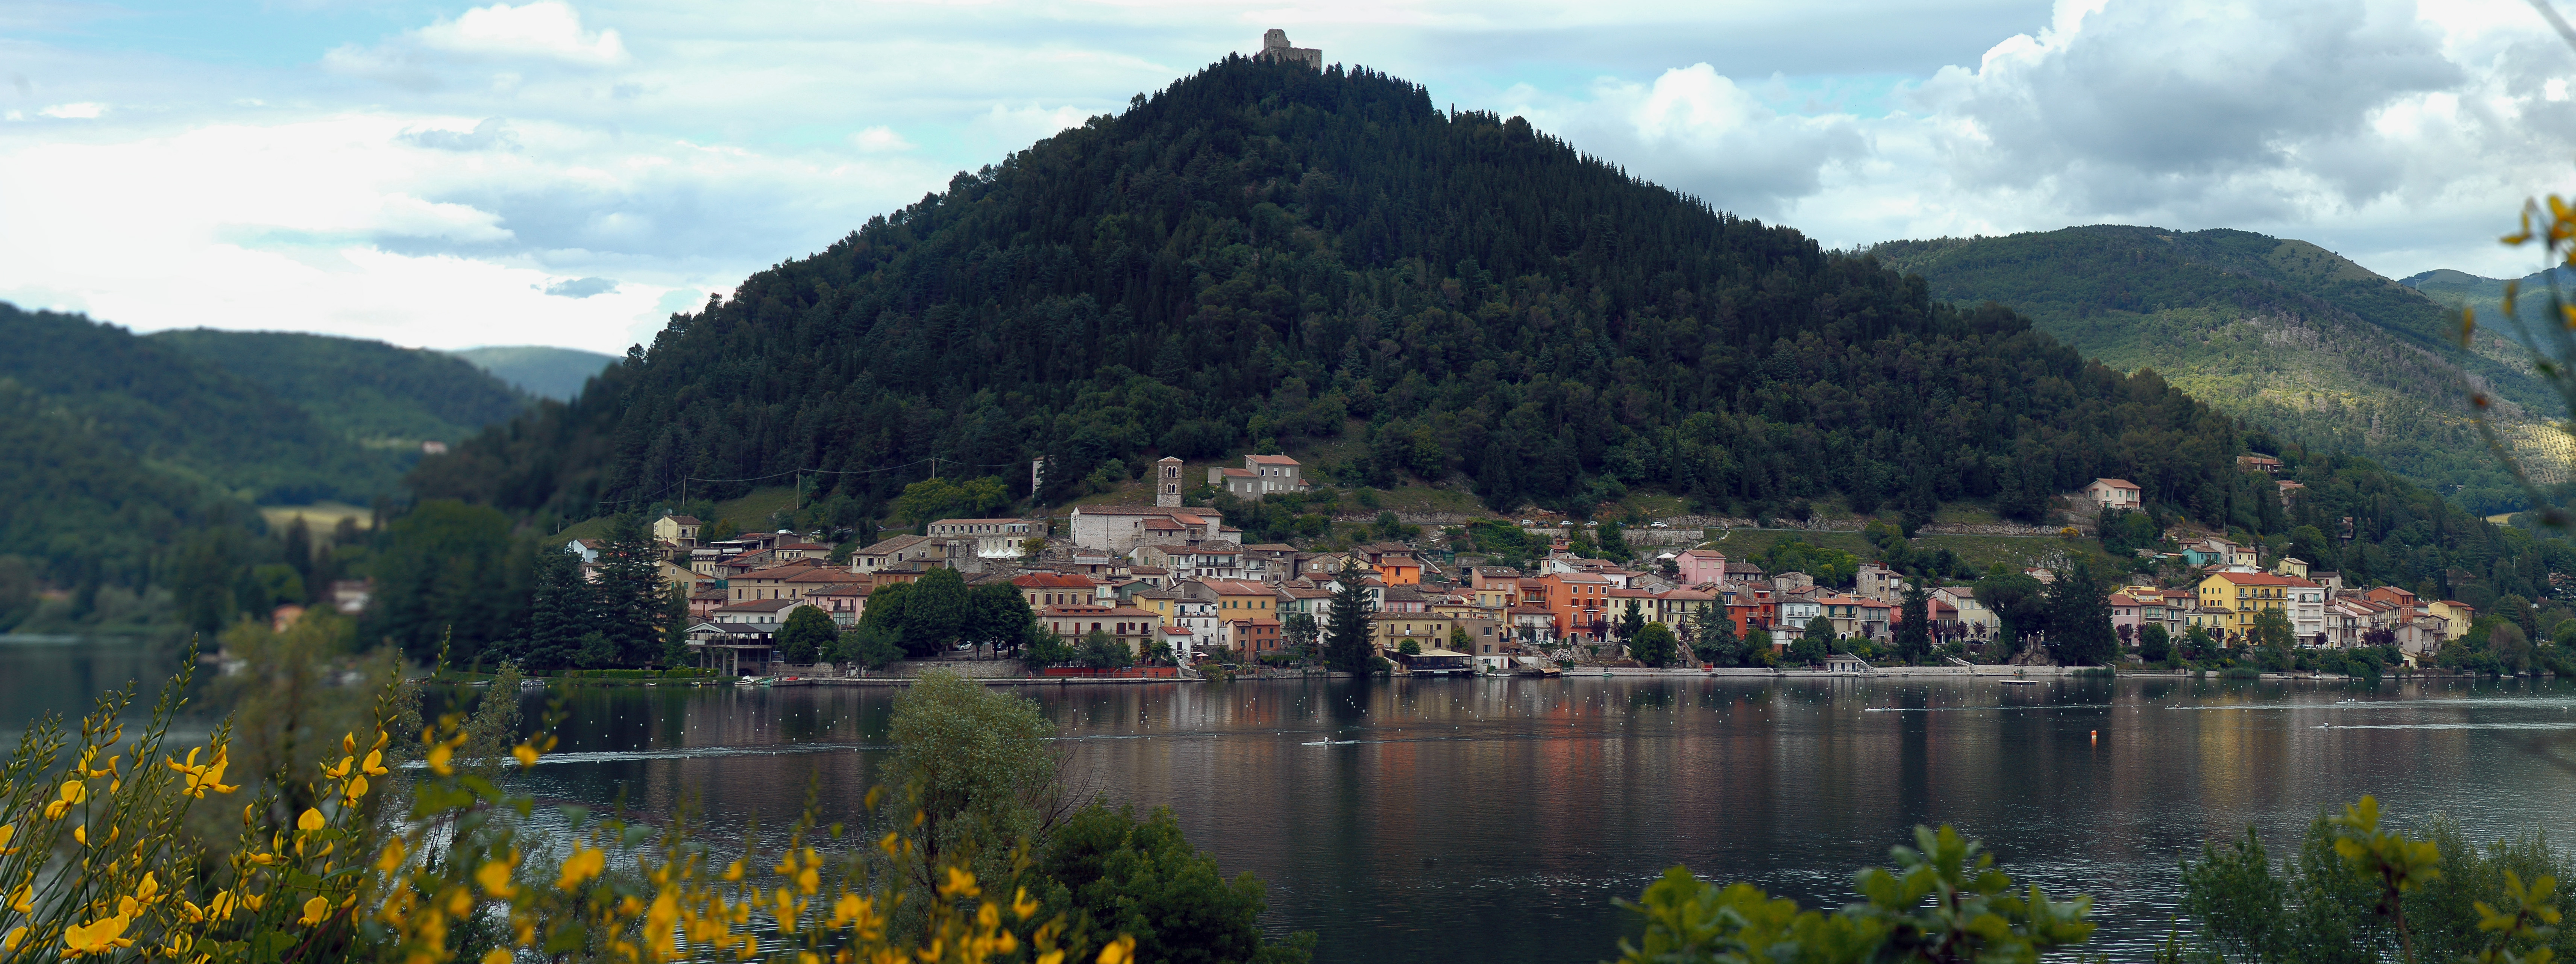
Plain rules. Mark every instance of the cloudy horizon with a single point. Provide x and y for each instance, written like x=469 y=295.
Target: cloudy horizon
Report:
x=570 y=173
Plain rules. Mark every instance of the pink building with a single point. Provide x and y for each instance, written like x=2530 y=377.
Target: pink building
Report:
x=1701 y=566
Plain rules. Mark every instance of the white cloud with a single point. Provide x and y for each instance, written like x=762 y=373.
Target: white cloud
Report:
x=433 y=184
x=80 y=111
x=542 y=29
x=880 y=138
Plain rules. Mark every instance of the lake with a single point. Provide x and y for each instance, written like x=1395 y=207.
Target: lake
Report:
x=1498 y=818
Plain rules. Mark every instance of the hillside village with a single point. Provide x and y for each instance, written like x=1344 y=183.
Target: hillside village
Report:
x=1175 y=583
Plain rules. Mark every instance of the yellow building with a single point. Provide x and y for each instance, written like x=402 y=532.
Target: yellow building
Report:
x=1388 y=631
x=2244 y=595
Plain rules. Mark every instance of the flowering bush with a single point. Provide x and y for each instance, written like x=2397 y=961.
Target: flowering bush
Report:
x=431 y=861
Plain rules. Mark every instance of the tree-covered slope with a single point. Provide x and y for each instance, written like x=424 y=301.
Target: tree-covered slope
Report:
x=81 y=507
x=372 y=393
x=539 y=370
x=179 y=414
x=2282 y=333
x=1271 y=255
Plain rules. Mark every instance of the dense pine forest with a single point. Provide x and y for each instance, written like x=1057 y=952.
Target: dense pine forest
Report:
x=1271 y=256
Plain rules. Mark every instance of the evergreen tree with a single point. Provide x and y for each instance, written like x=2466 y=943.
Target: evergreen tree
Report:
x=2155 y=645
x=1631 y=622
x=629 y=593
x=1347 y=646
x=1914 y=635
x=560 y=613
x=1654 y=645
x=2079 y=618
x=675 y=628
x=999 y=616
x=1715 y=641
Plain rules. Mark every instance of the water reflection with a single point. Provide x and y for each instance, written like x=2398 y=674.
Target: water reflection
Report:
x=1498 y=818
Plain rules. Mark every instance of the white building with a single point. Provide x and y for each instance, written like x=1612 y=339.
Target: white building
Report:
x=993 y=538
x=1260 y=475
x=2119 y=494
x=1118 y=528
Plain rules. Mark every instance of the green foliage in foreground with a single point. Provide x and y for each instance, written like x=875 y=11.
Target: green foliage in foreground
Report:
x=2353 y=892
x=1944 y=901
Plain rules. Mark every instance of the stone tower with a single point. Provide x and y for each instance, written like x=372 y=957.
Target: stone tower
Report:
x=1274 y=47
x=1167 y=482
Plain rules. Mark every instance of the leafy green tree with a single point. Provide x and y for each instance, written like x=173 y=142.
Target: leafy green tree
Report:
x=1829 y=567
x=675 y=627
x=1347 y=649
x=2155 y=645
x=807 y=636
x=1811 y=646
x=1759 y=649
x=975 y=774
x=2271 y=631
x=874 y=645
x=1614 y=543
x=1299 y=632
x=930 y=500
x=1114 y=874
x=2197 y=643
x=2079 y=618
x=1654 y=645
x=999 y=616
x=1409 y=647
x=937 y=612
x=2020 y=605
x=1043 y=649
x=1943 y=902
x=1102 y=651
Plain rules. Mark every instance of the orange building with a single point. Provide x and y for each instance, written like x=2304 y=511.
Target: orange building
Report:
x=1581 y=604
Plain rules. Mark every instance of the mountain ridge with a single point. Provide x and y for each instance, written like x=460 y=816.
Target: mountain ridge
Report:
x=2278 y=331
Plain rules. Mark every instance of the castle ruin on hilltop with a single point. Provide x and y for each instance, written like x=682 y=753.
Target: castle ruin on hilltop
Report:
x=1274 y=48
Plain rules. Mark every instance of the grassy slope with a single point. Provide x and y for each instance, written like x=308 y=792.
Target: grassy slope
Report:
x=546 y=372
x=2280 y=332
x=373 y=393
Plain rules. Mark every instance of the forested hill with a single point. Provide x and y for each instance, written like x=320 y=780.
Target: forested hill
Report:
x=179 y=414
x=1268 y=255
x=369 y=392
x=539 y=370
x=2282 y=333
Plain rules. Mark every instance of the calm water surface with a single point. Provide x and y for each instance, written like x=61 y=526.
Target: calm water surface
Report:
x=1497 y=819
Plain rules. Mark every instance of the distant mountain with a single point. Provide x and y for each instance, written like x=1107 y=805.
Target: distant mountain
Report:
x=2459 y=289
x=372 y=393
x=556 y=373
x=175 y=411
x=2283 y=333
x=83 y=508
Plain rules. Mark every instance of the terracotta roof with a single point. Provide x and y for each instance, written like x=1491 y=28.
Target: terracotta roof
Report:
x=1270 y=460
x=1236 y=587
x=1236 y=473
x=2116 y=483
x=1051 y=580
x=761 y=606
x=682 y=519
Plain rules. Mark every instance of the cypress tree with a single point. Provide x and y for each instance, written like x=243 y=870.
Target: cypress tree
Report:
x=560 y=614
x=1346 y=647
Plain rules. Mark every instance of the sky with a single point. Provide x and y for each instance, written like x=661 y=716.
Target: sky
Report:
x=571 y=172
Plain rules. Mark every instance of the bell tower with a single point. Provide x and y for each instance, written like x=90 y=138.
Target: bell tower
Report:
x=1167 y=482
